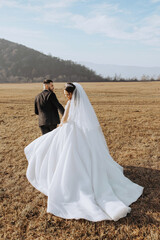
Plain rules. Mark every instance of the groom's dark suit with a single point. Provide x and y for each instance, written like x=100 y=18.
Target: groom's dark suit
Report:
x=47 y=106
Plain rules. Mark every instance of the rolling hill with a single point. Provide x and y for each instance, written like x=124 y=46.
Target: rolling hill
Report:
x=22 y=64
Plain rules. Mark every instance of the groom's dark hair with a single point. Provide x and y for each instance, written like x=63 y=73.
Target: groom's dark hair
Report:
x=46 y=81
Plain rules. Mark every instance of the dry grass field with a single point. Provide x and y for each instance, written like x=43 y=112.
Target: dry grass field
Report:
x=129 y=114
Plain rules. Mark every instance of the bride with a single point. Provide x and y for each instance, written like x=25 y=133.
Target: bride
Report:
x=72 y=166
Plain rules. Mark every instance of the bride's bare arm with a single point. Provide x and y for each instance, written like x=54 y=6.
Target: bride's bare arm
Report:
x=66 y=113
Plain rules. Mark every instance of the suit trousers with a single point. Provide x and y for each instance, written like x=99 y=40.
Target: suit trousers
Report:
x=47 y=128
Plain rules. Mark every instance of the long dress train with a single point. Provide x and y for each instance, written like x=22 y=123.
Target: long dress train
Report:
x=72 y=166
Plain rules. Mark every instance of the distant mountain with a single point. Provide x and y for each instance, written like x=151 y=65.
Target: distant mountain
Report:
x=21 y=64
x=126 y=72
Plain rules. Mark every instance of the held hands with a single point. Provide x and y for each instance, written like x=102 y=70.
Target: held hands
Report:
x=61 y=124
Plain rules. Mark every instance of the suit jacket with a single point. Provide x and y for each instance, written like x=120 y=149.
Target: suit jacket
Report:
x=47 y=106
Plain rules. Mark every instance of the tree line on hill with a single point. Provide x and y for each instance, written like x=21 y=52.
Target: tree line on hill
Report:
x=21 y=64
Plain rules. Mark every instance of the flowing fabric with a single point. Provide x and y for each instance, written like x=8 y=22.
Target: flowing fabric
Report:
x=72 y=166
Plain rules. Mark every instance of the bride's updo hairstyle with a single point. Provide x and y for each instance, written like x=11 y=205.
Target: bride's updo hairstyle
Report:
x=70 y=87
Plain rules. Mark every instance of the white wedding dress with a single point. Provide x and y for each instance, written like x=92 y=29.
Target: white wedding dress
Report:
x=72 y=166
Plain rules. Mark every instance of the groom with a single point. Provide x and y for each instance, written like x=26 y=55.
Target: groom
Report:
x=47 y=106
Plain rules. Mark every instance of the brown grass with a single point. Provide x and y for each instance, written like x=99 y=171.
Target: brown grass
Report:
x=129 y=114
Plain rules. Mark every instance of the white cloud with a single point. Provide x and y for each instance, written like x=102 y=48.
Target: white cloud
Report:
x=8 y=3
x=149 y=31
x=59 y=4
x=110 y=26
x=155 y=1
x=38 y=6
x=16 y=4
x=55 y=17
x=103 y=18
x=146 y=31
x=102 y=8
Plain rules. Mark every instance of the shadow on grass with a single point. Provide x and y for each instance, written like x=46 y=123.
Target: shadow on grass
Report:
x=145 y=210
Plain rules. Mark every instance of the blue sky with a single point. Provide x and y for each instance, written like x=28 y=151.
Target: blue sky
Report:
x=124 y=32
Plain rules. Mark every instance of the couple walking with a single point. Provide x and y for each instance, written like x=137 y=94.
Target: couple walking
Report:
x=71 y=164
